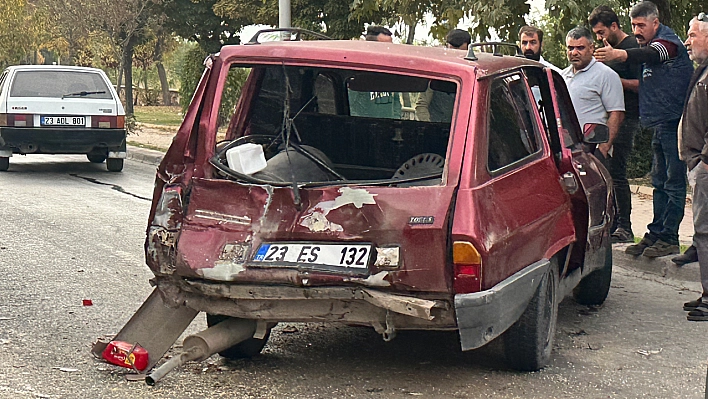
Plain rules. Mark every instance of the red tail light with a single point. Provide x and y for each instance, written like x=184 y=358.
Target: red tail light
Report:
x=17 y=120
x=108 y=122
x=468 y=268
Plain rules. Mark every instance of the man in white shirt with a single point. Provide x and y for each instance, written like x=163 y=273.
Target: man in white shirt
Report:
x=595 y=89
x=531 y=39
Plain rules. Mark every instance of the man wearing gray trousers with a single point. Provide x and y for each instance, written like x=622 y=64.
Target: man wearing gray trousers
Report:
x=693 y=149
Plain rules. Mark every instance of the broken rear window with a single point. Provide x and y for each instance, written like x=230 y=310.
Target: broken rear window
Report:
x=316 y=126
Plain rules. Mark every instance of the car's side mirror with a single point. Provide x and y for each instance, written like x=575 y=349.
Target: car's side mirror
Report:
x=595 y=133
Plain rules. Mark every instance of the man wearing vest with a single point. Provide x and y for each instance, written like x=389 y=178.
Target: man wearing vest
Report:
x=666 y=72
x=694 y=150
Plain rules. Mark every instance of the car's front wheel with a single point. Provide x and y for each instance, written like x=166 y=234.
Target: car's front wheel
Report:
x=243 y=350
x=593 y=288
x=4 y=163
x=529 y=342
x=114 y=164
x=96 y=158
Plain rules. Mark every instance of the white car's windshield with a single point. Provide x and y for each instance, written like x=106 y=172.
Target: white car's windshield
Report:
x=59 y=84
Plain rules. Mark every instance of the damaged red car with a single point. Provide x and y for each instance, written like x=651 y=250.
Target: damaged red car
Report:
x=391 y=186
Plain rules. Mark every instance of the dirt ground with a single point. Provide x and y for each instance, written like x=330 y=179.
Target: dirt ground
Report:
x=155 y=137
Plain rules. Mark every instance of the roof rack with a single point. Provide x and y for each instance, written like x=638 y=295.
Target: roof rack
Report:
x=495 y=48
x=281 y=34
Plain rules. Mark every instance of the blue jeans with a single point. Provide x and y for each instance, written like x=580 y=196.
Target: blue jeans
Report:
x=668 y=176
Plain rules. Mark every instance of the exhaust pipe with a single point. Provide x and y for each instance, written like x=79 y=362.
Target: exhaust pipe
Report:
x=199 y=347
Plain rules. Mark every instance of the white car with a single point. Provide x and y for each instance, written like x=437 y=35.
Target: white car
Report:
x=52 y=109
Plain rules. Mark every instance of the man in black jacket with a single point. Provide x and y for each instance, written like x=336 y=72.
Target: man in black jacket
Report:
x=606 y=26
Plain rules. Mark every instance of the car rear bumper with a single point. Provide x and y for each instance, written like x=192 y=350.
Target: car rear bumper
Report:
x=483 y=316
x=384 y=311
x=61 y=141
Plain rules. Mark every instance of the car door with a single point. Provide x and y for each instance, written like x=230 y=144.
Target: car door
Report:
x=522 y=212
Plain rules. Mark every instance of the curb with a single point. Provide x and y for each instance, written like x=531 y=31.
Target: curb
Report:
x=662 y=267
x=144 y=155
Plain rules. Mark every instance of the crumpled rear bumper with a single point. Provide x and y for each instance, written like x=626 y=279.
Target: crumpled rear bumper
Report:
x=483 y=316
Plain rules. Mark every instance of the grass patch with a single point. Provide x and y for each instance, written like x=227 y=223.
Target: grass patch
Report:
x=159 y=115
x=146 y=146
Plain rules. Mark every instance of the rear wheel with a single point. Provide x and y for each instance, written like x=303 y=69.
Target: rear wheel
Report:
x=4 y=163
x=96 y=158
x=114 y=164
x=243 y=350
x=593 y=289
x=529 y=342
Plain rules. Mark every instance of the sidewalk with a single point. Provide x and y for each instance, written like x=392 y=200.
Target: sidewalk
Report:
x=642 y=215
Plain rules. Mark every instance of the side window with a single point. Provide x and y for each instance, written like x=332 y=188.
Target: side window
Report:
x=543 y=101
x=571 y=134
x=512 y=136
x=324 y=90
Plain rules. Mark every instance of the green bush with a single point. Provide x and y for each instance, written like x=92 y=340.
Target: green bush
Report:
x=639 y=162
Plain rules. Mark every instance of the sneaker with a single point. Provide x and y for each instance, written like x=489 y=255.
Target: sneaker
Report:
x=622 y=235
x=691 y=255
x=661 y=248
x=700 y=313
x=637 y=249
x=692 y=305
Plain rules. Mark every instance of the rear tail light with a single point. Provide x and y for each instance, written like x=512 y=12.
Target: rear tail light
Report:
x=108 y=122
x=468 y=267
x=17 y=120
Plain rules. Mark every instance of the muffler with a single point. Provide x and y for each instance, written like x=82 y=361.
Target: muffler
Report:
x=200 y=346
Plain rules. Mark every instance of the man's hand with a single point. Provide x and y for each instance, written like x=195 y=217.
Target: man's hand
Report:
x=604 y=148
x=608 y=53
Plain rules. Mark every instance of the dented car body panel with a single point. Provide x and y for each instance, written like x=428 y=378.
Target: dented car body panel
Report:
x=346 y=241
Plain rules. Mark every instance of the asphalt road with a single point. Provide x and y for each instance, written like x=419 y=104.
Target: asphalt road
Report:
x=72 y=231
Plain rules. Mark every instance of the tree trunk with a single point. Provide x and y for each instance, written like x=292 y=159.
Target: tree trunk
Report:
x=119 y=80
x=145 y=83
x=128 y=67
x=664 y=7
x=411 y=33
x=166 y=98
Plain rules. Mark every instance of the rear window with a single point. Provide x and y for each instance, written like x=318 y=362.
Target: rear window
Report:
x=338 y=125
x=58 y=84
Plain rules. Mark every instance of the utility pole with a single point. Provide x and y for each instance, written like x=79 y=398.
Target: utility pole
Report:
x=284 y=13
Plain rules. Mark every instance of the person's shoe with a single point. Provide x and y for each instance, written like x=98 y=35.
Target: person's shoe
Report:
x=700 y=313
x=622 y=235
x=692 y=305
x=661 y=248
x=691 y=255
x=637 y=249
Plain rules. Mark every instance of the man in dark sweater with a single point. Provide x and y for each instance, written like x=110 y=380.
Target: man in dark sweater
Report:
x=606 y=26
x=666 y=72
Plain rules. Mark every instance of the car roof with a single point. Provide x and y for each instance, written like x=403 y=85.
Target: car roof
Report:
x=375 y=54
x=52 y=67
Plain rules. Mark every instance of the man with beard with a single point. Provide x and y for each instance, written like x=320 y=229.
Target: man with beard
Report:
x=531 y=39
x=594 y=88
x=694 y=151
x=666 y=72
x=606 y=26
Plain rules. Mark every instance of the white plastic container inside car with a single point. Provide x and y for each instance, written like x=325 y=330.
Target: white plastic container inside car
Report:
x=246 y=158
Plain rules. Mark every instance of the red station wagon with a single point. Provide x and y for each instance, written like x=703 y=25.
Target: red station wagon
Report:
x=331 y=199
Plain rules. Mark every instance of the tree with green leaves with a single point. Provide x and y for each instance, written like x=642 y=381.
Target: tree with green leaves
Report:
x=23 y=29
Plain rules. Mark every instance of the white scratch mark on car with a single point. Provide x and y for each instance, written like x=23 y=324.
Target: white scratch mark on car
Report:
x=223 y=270
x=375 y=280
x=317 y=221
x=222 y=217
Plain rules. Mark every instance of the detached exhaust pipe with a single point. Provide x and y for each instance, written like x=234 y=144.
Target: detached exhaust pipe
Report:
x=200 y=346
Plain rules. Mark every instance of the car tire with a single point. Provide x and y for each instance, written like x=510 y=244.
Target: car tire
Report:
x=4 y=163
x=529 y=342
x=593 y=288
x=96 y=158
x=114 y=164
x=243 y=350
